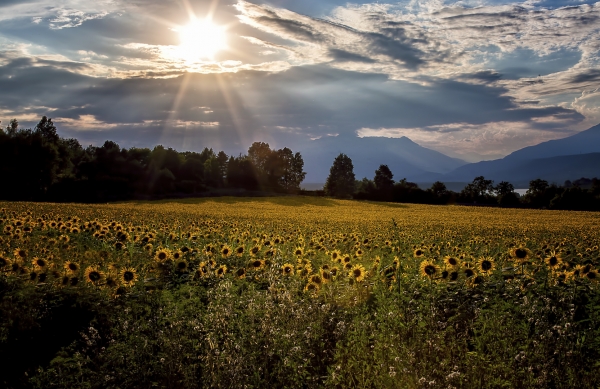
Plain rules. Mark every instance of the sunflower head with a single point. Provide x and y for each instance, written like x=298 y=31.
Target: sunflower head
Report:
x=220 y=272
x=93 y=275
x=452 y=262
x=128 y=276
x=486 y=265
x=71 y=267
x=288 y=269
x=358 y=273
x=429 y=269
x=226 y=251
x=162 y=255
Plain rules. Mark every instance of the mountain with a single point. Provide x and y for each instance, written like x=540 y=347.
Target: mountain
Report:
x=404 y=157
x=584 y=142
x=539 y=161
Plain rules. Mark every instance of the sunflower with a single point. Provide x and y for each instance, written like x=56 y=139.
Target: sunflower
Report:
x=240 y=273
x=20 y=254
x=396 y=262
x=93 y=275
x=429 y=269
x=451 y=262
x=453 y=276
x=358 y=273
x=418 y=253
x=177 y=255
x=520 y=253
x=220 y=272
x=335 y=254
x=326 y=275
x=239 y=251
x=554 y=261
x=299 y=252
x=128 y=276
x=39 y=263
x=162 y=255
x=288 y=269
x=311 y=287
x=359 y=253
x=346 y=259
x=226 y=251
x=5 y=263
x=256 y=264
x=316 y=279
x=486 y=265
x=71 y=267
x=181 y=266
x=592 y=275
x=347 y=266
x=202 y=270
x=334 y=271
x=254 y=250
x=468 y=272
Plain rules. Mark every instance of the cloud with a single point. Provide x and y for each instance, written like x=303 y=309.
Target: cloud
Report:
x=450 y=74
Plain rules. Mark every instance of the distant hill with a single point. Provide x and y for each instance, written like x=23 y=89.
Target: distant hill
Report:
x=555 y=161
x=404 y=157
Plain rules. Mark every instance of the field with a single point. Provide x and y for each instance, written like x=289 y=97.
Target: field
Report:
x=297 y=292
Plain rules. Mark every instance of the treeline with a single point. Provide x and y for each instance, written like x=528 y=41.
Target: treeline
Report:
x=37 y=164
x=582 y=194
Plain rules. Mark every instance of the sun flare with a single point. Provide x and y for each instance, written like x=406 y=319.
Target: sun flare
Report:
x=201 y=39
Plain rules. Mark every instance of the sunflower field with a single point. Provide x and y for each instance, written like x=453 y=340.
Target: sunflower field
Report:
x=297 y=292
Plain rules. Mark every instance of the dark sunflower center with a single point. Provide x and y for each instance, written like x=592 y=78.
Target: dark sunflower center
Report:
x=72 y=266
x=469 y=272
x=162 y=256
x=240 y=250
x=128 y=276
x=486 y=265
x=452 y=261
x=32 y=276
x=553 y=261
x=3 y=262
x=241 y=272
x=454 y=276
x=592 y=275
x=357 y=273
x=429 y=270
x=520 y=253
x=287 y=269
x=225 y=251
x=181 y=265
x=418 y=252
x=326 y=275
x=94 y=276
x=40 y=262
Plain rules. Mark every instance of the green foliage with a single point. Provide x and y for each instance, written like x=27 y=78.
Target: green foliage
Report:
x=341 y=180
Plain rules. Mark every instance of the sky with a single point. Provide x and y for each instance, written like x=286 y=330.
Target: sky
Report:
x=472 y=79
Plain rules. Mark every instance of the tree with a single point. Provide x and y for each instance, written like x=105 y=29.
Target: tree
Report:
x=384 y=179
x=504 y=188
x=341 y=180
x=47 y=129
x=505 y=192
x=438 y=189
x=478 y=190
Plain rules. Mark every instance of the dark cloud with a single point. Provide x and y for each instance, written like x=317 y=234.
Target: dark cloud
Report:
x=345 y=56
x=587 y=76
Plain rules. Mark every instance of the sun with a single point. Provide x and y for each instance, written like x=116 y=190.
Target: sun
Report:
x=201 y=39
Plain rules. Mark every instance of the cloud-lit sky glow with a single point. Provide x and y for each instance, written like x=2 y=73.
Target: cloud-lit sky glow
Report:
x=472 y=79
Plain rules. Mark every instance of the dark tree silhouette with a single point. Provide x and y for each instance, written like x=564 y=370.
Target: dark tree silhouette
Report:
x=341 y=180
